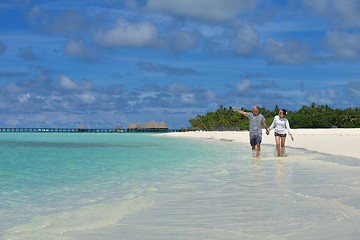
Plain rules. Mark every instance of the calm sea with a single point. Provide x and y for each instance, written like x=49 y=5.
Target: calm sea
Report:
x=146 y=186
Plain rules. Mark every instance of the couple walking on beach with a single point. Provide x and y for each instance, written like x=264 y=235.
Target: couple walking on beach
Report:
x=257 y=122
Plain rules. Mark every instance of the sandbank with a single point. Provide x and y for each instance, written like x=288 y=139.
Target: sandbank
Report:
x=337 y=141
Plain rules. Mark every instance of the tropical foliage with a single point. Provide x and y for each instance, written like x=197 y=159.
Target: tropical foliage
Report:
x=313 y=116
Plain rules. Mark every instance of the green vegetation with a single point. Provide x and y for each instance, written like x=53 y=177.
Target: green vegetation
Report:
x=313 y=116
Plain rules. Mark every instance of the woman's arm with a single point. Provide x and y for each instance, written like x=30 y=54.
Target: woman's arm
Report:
x=272 y=126
x=289 y=129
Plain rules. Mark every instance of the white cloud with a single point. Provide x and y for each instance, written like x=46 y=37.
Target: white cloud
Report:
x=79 y=49
x=352 y=92
x=86 y=98
x=242 y=86
x=245 y=40
x=12 y=88
x=126 y=34
x=179 y=88
x=188 y=98
x=344 y=45
x=289 y=52
x=67 y=83
x=342 y=14
x=322 y=97
x=24 y=98
x=178 y=41
x=215 y=10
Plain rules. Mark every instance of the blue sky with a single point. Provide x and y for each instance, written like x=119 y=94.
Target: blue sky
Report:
x=104 y=63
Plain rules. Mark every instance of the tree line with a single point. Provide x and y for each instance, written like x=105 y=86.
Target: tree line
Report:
x=312 y=116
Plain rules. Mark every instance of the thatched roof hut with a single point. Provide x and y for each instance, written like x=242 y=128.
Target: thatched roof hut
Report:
x=134 y=126
x=149 y=126
x=162 y=125
x=80 y=126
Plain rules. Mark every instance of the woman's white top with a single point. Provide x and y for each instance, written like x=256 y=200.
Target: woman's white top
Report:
x=280 y=125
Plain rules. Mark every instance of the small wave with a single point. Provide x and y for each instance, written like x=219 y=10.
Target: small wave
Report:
x=91 y=217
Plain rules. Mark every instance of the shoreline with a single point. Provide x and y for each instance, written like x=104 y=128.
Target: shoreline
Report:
x=338 y=141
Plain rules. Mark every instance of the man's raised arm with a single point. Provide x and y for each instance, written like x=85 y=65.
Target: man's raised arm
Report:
x=240 y=111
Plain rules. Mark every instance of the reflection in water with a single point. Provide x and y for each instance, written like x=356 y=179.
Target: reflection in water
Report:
x=281 y=172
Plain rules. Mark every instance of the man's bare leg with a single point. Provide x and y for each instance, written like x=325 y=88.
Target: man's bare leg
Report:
x=258 y=148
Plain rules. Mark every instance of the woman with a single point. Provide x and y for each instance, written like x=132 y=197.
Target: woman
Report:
x=281 y=125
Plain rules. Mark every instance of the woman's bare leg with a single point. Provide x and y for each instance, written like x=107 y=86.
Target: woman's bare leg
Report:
x=283 y=146
x=277 y=141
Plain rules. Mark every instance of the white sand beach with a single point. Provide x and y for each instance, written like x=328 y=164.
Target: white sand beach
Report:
x=342 y=142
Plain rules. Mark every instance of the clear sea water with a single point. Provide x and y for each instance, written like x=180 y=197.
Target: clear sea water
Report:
x=146 y=186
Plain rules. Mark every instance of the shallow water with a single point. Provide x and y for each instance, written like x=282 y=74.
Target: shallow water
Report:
x=143 y=186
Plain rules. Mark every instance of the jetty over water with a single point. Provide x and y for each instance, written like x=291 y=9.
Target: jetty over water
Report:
x=83 y=130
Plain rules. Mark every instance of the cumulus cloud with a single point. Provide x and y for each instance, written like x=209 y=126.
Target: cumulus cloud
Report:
x=342 y=14
x=323 y=97
x=188 y=98
x=244 y=40
x=242 y=86
x=343 y=45
x=78 y=48
x=66 y=83
x=162 y=68
x=11 y=87
x=216 y=10
x=352 y=92
x=174 y=96
x=223 y=27
x=266 y=84
x=289 y=52
x=79 y=100
x=179 y=88
x=179 y=40
x=24 y=98
x=342 y=96
x=86 y=98
x=126 y=34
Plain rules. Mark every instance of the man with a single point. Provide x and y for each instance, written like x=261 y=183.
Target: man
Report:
x=257 y=122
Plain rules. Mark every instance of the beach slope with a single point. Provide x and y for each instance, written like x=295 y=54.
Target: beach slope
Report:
x=342 y=142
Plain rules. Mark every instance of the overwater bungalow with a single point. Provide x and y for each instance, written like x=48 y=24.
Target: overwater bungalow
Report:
x=148 y=127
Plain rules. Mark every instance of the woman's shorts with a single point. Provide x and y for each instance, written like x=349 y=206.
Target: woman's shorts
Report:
x=280 y=135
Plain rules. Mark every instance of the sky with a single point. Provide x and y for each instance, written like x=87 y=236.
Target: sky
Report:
x=107 y=63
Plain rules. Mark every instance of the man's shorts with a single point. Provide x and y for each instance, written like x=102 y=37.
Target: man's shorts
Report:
x=255 y=140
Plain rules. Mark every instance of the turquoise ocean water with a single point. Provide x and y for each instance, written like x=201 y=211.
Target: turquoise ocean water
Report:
x=146 y=186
